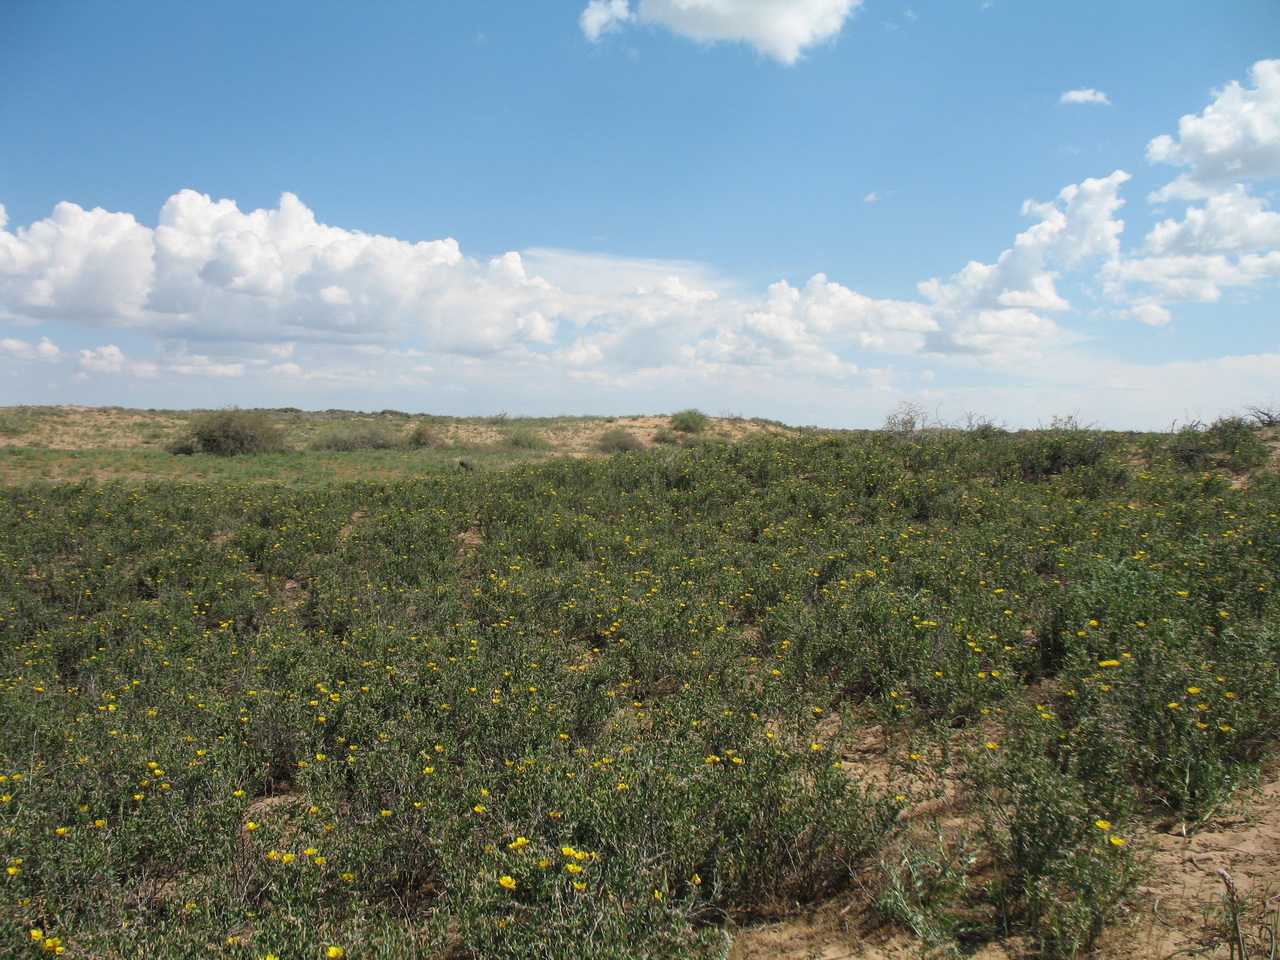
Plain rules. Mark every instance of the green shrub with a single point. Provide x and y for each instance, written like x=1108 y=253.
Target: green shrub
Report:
x=1229 y=442
x=360 y=436
x=618 y=440
x=426 y=435
x=228 y=432
x=666 y=437
x=689 y=421
x=525 y=440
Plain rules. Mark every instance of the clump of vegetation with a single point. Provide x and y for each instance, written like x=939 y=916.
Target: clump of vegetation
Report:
x=618 y=440
x=229 y=432
x=690 y=421
x=427 y=435
x=360 y=436
x=522 y=439
x=1264 y=416
x=1230 y=442
x=906 y=418
x=1064 y=445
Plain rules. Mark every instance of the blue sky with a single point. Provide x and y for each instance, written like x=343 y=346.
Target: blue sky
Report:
x=808 y=210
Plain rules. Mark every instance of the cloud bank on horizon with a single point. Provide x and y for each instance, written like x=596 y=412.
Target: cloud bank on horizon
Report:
x=214 y=292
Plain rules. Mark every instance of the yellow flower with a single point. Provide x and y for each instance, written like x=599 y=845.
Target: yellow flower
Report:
x=1102 y=824
x=507 y=882
x=478 y=808
x=518 y=843
x=579 y=886
x=1116 y=841
x=574 y=868
x=333 y=953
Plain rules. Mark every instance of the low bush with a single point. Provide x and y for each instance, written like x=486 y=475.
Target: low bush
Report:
x=525 y=440
x=229 y=432
x=427 y=435
x=618 y=440
x=690 y=421
x=360 y=436
x=1229 y=442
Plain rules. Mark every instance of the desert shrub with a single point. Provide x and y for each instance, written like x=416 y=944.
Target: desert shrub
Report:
x=360 y=436
x=1229 y=442
x=525 y=440
x=666 y=437
x=228 y=432
x=906 y=417
x=426 y=435
x=618 y=440
x=1049 y=452
x=1265 y=416
x=689 y=421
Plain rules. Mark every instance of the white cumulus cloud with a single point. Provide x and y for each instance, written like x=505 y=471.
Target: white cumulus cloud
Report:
x=210 y=272
x=1237 y=137
x=45 y=351
x=782 y=29
x=82 y=266
x=604 y=16
x=1226 y=237
x=999 y=308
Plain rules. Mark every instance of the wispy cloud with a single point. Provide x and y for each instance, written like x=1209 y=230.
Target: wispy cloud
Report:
x=1085 y=95
x=782 y=29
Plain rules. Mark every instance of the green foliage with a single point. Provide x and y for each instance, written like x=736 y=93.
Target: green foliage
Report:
x=360 y=436
x=427 y=435
x=656 y=662
x=618 y=440
x=1229 y=442
x=522 y=439
x=229 y=432
x=689 y=421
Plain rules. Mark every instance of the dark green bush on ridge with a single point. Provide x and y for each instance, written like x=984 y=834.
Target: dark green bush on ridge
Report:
x=229 y=432
x=689 y=421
